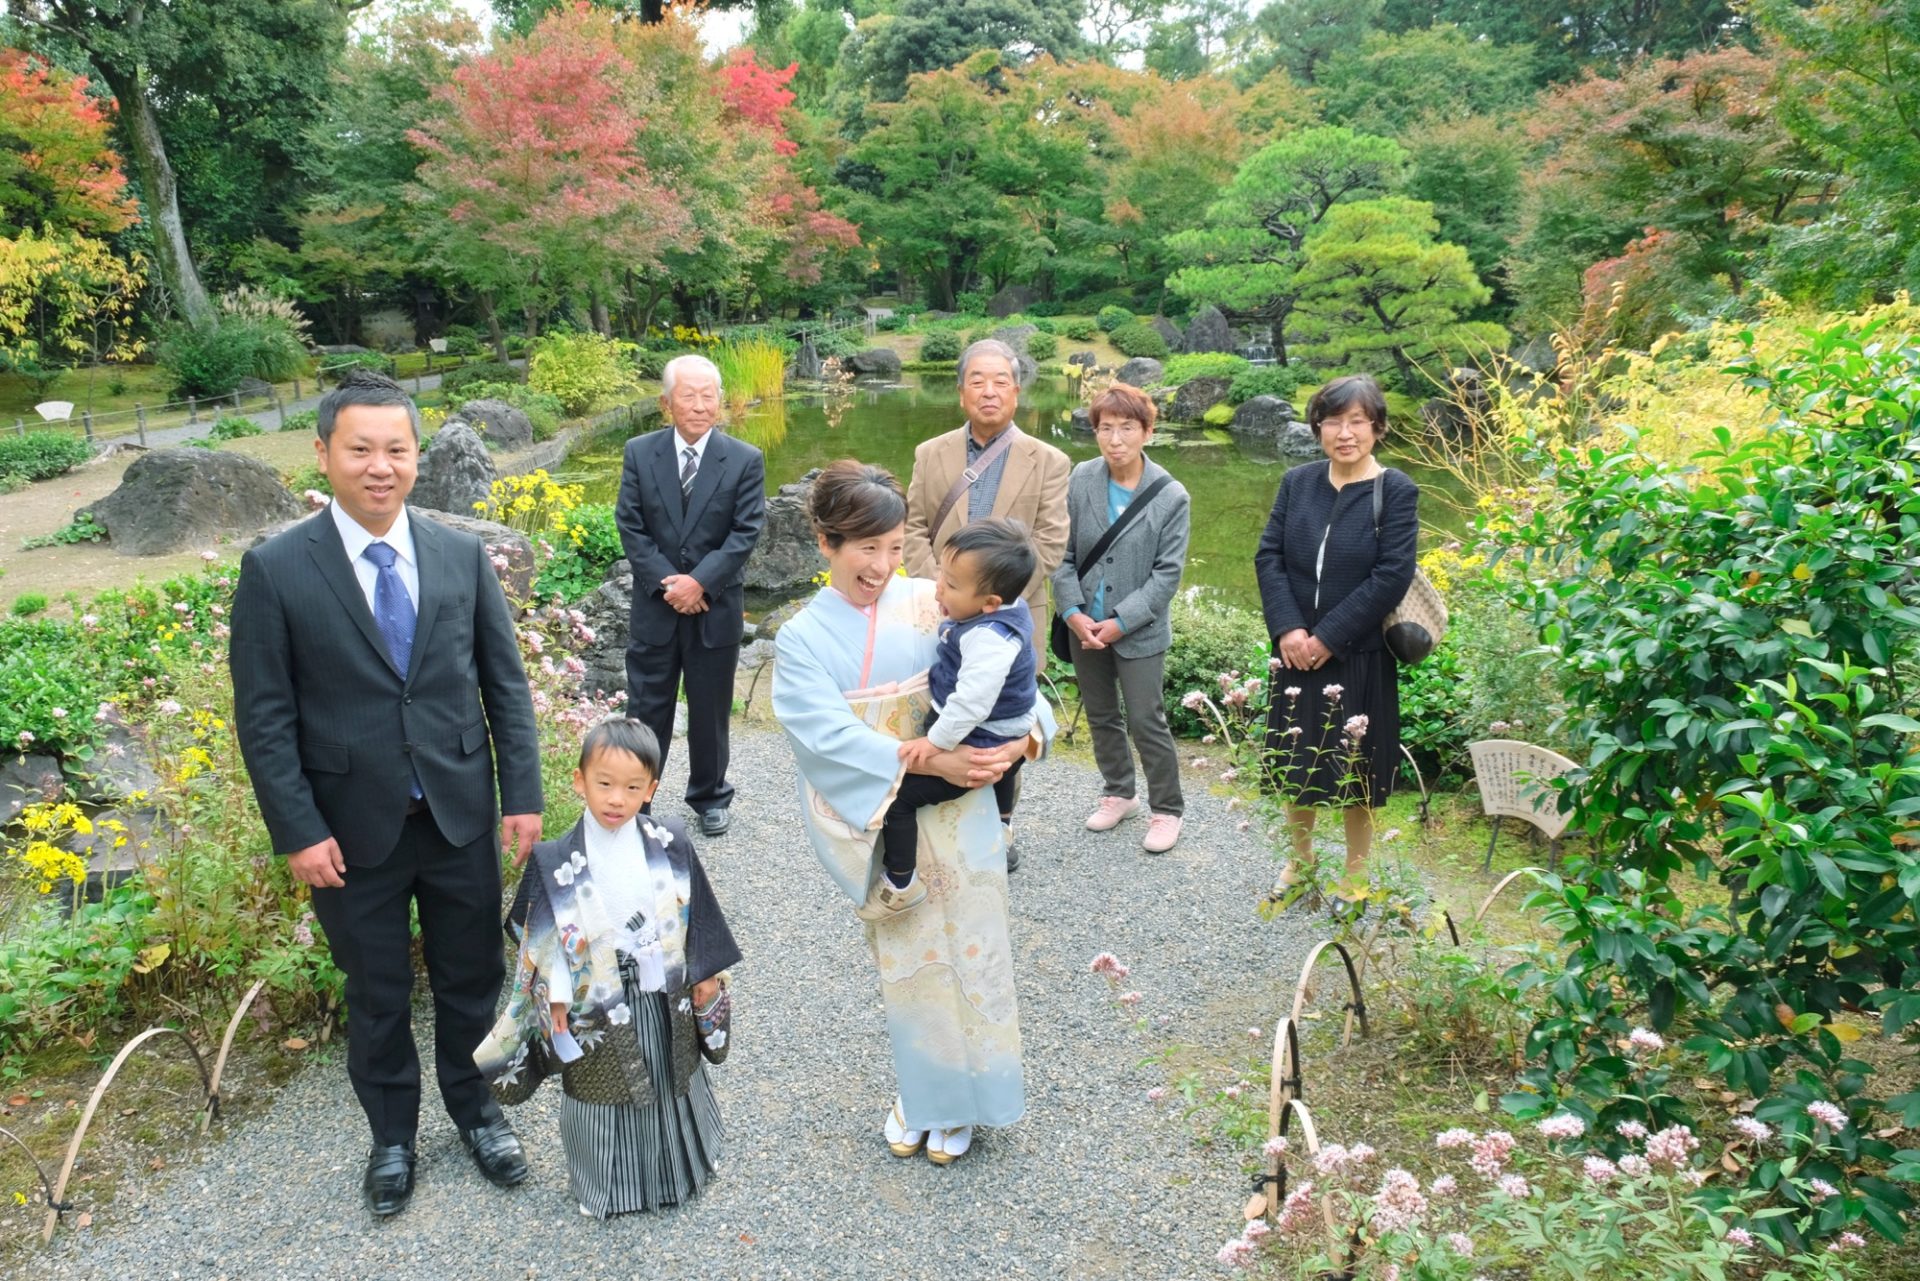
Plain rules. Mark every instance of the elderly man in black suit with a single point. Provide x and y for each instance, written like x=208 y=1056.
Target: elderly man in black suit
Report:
x=692 y=502
x=378 y=697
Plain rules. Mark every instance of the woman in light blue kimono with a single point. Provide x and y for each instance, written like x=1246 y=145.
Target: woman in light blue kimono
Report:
x=849 y=687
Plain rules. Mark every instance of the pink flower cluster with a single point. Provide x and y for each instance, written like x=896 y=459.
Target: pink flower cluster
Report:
x=1108 y=965
x=1563 y=1125
x=1599 y=1170
x=1755 y=1131
x=1454 y=1138
x=1334 y=1159
x=1296 y=1213
x=1670 y=1148
x=1642 y=1040
x=1490 y=1153
x=1398 y=1205
x=1827 y=1114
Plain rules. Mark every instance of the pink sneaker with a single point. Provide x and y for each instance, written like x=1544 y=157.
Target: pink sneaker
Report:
x=1163 y=832
x=1113 y=811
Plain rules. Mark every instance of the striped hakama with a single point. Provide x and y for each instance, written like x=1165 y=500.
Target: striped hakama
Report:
x=623 y=1158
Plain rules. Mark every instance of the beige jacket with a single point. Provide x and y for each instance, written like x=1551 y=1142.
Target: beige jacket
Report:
x=1033 y=489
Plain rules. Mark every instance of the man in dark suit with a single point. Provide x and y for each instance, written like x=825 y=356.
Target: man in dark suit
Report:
x=692 y=501
x=376 y=676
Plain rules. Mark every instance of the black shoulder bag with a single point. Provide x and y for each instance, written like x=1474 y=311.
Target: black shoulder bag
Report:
x=1058 y=633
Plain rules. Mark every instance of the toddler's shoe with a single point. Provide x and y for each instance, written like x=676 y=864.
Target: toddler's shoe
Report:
x=886 y=901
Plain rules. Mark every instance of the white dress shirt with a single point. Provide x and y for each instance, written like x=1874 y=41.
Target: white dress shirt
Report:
x=699 y=448
x=355 y=538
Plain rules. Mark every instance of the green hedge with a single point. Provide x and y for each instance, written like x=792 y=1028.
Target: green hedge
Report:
x=39 y=455
x=1042 y=346
x=1111 y=318
x=1204 y=364
x=1139 y=339
x=941 y=344
x=486 y=371
x=1268 y=380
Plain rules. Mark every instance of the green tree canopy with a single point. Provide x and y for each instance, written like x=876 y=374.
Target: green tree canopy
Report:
x=1246 y=258
x=1392 y=80
x=1378 y=291
x=928 y=35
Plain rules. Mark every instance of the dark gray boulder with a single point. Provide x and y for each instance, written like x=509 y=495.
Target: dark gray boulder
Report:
x=172 y=500
x=1081 y=420
x=787 y=556
x=456 y=471
x=1176 y=341
x=499 y=424
x=608 y=611
x=1084 y=359
x=1267 y=423
x=121 y=763
x=27 y=780
x=1141 y=371
x=1015 y=336
x=1210 y=331
x=1298 y=441
x=1012 y=299
x=511 y=551
x=876 y=362
x=1263 y=414
x=1196 y=396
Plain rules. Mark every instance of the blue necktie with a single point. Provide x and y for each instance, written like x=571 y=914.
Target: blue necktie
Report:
x=393 y=614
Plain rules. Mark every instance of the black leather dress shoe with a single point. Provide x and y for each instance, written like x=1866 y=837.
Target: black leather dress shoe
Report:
x=715 y=822
x=496 y=1150
x=389 y=1181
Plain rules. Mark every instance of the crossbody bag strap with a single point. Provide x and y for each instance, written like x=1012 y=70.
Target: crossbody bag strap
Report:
x=1113 y=531
x=967 y=477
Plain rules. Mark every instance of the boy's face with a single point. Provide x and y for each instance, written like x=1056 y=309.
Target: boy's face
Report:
x=958 y=589
x=614 y=784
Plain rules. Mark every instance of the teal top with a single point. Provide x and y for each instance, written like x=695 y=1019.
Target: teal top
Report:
x=1118 y=496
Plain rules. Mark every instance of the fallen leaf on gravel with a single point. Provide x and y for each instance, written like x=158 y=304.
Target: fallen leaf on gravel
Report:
x=746 y=1238
x=128 y=1111
x=158 y=1163
x=84 y=1221
x=294 y=1043
x=18 y=1101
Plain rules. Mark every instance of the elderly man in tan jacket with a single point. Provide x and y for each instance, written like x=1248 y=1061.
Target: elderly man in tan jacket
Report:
x=989 y=467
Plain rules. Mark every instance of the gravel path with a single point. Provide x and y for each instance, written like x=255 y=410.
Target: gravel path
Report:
x=1095 y=1182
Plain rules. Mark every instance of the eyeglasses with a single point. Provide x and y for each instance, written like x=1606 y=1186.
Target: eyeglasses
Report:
x=1117 y=431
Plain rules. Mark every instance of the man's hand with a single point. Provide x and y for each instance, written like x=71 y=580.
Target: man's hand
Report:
x=684 y=593
x=518 y=832
x=320 y=864
x=1106 y=632
x=559 y=1017
x=917 y=752
x=1082 y=626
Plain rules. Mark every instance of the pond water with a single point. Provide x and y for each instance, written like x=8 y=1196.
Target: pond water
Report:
x=1232 y=487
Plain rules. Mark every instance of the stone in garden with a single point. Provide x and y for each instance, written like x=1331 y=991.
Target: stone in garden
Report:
x=1081 y=420
x=1210 y=331
x=505 y=544
x=1084 y=359
x=1263 y=415
x=121 y=764
x=114 y=857
x=1298 y=441
x=806 y=362
x=608 y=610
x=1457 y=415
x=1012 y=299
x=1538 y=355
x=774 y=619
x=787 y=556
x=27 y=780
x=501 y=425
x=1171 y=332
x=1015 y=336
x=456 y=471
x=1196 y=396
x=171 y=500
x=1141 y=371
x=876 y=362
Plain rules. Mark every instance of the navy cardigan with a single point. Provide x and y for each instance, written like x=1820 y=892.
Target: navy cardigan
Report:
x=1363 y=577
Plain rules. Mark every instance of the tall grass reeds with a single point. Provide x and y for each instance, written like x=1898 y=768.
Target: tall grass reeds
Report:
x=750 y=369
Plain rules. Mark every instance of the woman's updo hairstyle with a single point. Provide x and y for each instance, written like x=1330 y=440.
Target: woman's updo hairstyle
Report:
x=855 y=500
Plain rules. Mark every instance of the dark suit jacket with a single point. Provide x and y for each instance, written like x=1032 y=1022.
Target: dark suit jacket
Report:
x=711 y=540
x=329 y=727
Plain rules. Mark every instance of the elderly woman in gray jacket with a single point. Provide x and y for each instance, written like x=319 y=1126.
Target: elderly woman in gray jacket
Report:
x=1116 y=612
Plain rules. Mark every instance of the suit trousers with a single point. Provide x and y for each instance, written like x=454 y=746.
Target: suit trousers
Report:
x=654 y=677
x=457 y=890
x=1105 y=680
